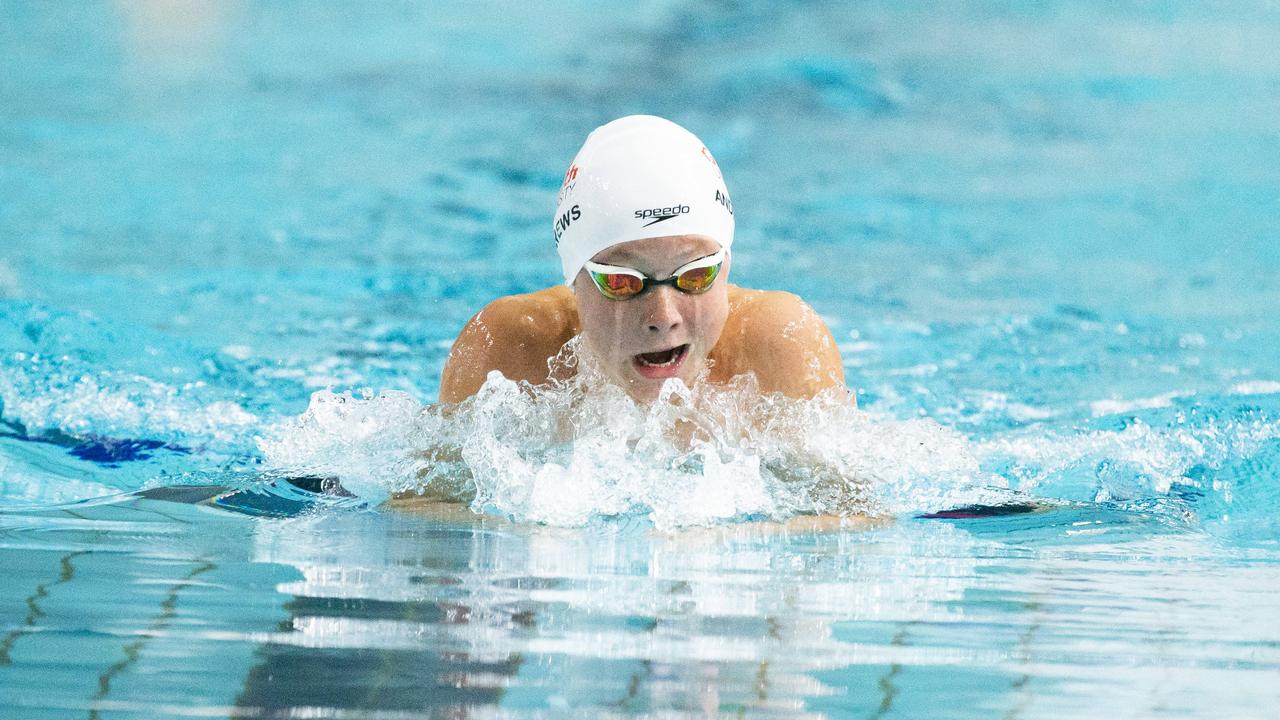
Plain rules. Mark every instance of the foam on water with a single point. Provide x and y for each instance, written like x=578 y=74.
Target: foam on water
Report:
x=74 y=375
x=1136 y=462
x=76 y=432
x=117 y=404
x=577 y=451
x=581 y=449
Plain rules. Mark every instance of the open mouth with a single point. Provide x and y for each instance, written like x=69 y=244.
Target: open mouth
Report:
x=662 y=358
x=663 y=363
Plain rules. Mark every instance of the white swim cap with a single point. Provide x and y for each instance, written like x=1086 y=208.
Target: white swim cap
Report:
x=639 y=177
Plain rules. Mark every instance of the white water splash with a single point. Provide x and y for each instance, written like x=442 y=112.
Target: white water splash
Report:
x=575 y=451
x=1256 y=387
x=1136 y=462
x=1113 y=406
x=365 y=440
x=117 y=404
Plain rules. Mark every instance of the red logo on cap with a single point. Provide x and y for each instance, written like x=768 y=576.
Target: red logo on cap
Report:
x=566 y=187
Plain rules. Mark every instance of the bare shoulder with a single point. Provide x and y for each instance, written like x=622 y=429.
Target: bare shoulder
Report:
x=776 y=320
x=530 y=315
x=766 y=306
x=514 y=335
x=780 y=338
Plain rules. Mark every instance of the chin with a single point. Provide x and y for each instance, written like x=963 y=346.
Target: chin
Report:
x=644 y=391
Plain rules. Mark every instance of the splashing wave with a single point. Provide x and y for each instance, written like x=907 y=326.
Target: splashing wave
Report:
x=579 y=450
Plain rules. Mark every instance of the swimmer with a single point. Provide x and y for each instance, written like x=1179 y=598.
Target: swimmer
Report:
x=644 y=230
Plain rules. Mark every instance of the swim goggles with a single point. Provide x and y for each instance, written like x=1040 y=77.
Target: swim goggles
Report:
x=623 y=283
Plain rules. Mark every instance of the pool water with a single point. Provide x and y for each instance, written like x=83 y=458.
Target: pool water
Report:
x=238 y=238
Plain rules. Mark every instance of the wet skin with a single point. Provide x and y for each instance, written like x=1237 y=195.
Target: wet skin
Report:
x=774 y=335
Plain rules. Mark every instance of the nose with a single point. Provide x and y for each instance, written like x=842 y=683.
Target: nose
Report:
x=662 y=315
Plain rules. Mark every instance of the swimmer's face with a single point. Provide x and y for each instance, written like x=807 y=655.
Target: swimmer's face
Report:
x=661 y=333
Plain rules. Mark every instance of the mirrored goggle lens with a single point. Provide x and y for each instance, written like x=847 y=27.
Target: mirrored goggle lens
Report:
x=618 y=285
x=698 y=280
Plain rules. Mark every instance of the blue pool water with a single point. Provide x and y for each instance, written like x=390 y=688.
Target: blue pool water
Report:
x=237 y=239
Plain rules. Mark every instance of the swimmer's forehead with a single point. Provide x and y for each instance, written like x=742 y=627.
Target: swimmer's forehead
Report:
x=658 y=253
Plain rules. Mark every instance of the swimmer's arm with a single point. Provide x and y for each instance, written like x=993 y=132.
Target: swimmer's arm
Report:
x=442 y=479
x=719 y=535
x=446 y=511
x=491 y=340
x=794 y=352
x=514 y=335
